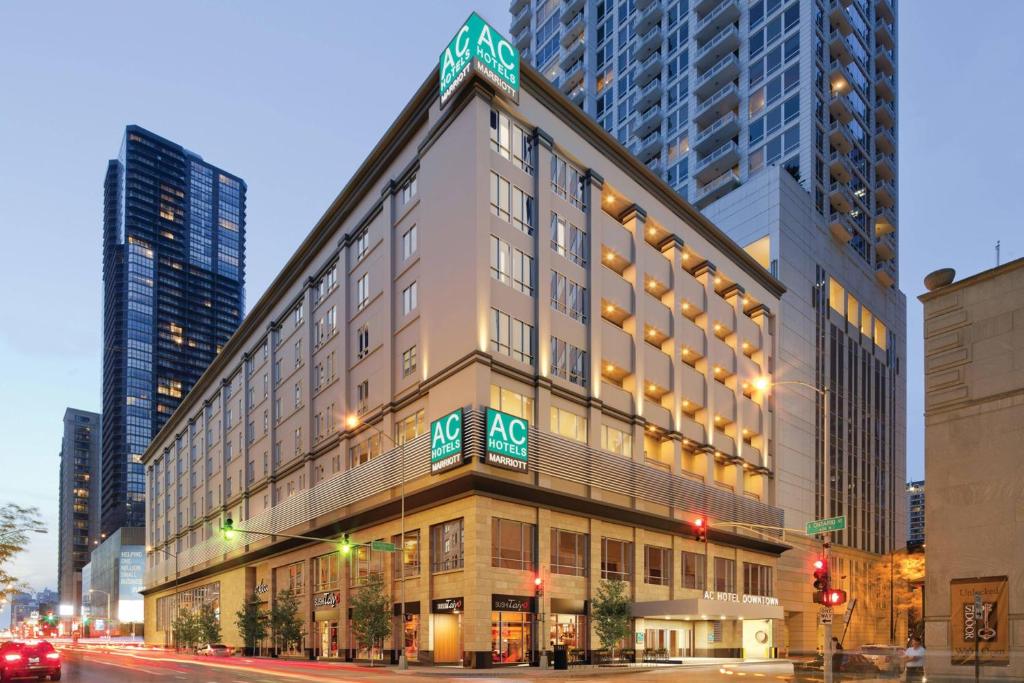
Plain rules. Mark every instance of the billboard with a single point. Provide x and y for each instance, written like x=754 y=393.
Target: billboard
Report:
x=131 y=571
x=479 y=47
x=990 y=626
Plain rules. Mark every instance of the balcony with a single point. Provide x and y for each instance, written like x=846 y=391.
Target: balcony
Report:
x=885 y=87
x=839 y=76
x=724 y=71
x=648 y=18
x=649 y=146
x=884 y=141
x=885 y=221
x=649 y=121
x=572 y=54
x=840 y=168
x=840 y=197
x=728 y=12
x=717 y=188
x=724 y=405
x=885 y=273
x=748 y=336
x=521 y=19
x=722 y=312
x=616 y=350
x=517 y=5
x=571 y=9
x=573 y=30
x=884 y=60
x=884 y=9
x=578 y=95
x=885 y=192
x=522 y=41
x=885 y=166
x=885 y=114
x=885 y=249
x=715 y=135
x=717 y=105
x=840 y=108
x=694 y=389
x=840 y=19
x=750 y=415
x=702 y=7
x=641 y=5
x=648 y=43
x=839 y=49
x=884 y=33
x=691 y=337
x=718 y=162
x=650 y=94
x=572 y=77
x=657 y=168
x=841 y=226
x=840 y=137
x=727 y=40
x=648 y=69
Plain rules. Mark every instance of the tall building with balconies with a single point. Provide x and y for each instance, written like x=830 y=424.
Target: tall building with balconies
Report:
x=173 y=276
x=915 y=512
x=709 y=93
x=78 y=512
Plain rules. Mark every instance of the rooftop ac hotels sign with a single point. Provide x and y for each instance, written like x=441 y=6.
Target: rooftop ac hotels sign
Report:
x=479 y=47
x=507 y=441
x=446 y=442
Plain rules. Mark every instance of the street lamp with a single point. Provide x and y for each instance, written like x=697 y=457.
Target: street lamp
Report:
x=109 y=620
x=764 y=384
x=164 y=549
x=352 y=421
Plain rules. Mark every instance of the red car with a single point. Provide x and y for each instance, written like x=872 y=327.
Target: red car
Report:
x=29 y=659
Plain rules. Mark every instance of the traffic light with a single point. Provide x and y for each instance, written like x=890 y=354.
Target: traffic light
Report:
x=831 y=597
x=227 y=529
x=346 y=544
x=538 y=586
x=821 y=577
x=700 y=530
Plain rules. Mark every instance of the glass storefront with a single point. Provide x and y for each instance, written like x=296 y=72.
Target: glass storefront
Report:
x=328 y=644
x=446 y=630
x=569 y=630
x=510 y=637
x=411 y=638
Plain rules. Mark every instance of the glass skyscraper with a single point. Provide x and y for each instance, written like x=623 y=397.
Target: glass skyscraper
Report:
x=173 y=275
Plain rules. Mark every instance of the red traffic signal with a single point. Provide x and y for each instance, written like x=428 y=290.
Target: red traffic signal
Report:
x=821 y=578
x=538 y=585
x=700 y=529
x=831 y=597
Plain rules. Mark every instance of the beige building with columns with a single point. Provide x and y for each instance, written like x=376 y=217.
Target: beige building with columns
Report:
x=488 y=256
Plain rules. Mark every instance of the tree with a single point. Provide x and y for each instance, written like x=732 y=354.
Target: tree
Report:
x=285 y=620
x=371 y=616
x=252 y=622
x=207 y=624
x=186 y=628
x=612 y=614
x=16 y=523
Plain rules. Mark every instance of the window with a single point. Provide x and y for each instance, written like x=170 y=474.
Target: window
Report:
x=692 y=569
x=567 y=181
x=291 y=577
x=657 y=565
x=511 y=266
x=511 y=141
x=409 y=428
x=617 y=441
x=568 y=297
x=326 y=572
x=511 y=204
x=508 y=401
x=568 y=362
x=511 y=337
x=410 y=565
x=568 y=240
x=446 y=546
x=298 y=353
x=725 y=575
x=298 y=394
x=409 y=299
x=364 y=452
x=363 y=395
x=298 y=440
x=512 y=544
x=569 y=552
x=362 y=341
x=362 y=291
x=408 y=190
x=297 y=315
x=409 y=243
x=757 y=579
x=366 y=562
x=409 y=361
x=568 y=424
x=616 y=559
x=362 y=244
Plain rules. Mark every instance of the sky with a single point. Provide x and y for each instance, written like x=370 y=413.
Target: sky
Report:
x=293 y=96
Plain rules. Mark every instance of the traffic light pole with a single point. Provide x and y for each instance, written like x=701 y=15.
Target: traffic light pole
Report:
x=827 y=504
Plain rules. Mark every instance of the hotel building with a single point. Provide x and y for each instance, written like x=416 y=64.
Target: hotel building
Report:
x=489 y=255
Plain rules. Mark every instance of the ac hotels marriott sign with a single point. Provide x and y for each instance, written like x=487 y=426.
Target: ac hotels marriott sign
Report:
x=478 y=47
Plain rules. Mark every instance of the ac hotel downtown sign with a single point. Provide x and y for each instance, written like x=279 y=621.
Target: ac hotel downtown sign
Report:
x=507 y=441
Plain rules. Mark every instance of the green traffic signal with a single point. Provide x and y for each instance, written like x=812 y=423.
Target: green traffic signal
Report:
x=346 y=544
x=228 y=529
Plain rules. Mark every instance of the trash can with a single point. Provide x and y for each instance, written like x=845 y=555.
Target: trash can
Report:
x=561 y=656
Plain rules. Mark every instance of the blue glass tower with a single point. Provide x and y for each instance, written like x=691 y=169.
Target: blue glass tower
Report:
x=173 y=277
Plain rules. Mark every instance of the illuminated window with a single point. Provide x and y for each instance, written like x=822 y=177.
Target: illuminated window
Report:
x=508 y=401
x=568 y=424
x=836 y=296
x=881 y=335
x=852 y=309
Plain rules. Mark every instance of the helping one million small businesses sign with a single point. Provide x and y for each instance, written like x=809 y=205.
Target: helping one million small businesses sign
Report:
x=507 y=441
x=478 y=47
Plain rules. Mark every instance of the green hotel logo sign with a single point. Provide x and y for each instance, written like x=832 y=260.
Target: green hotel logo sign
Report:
x=446 y=442
x=478 y=47
x=507 y=441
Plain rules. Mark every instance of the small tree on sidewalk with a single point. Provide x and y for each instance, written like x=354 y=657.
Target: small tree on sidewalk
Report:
x=371 y=616
x=611 y=610
x=285 y=620
x=185 y=628
x=207 y=624
x=252 y=622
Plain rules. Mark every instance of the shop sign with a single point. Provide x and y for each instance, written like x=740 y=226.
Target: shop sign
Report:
x=446 y=442
x=745 y=599
x=989 y=624
x=511 y=603
x=446 y=605
x=507 y=441
x=326 y=600
x=262 y=588
x=478 y=47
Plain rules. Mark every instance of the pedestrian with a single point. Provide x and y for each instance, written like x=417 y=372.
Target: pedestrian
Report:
x=914 y=658
x=837 y=654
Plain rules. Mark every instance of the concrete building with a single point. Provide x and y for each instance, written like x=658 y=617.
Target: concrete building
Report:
x=491 y=265
x=115 y=579
x=78 y=513
x=709 y=93
x=974 y=425
x=915 y=513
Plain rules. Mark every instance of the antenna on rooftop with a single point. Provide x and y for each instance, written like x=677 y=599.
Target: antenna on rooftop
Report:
x=997 y=253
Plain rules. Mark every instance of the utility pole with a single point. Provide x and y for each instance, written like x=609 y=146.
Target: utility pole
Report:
x=827 y=501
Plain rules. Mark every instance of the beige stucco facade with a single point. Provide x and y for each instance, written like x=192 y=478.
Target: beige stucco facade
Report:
x=974 y=412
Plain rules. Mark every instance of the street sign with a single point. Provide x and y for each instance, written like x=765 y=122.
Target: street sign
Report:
x=825 y=616
x=383 y=546
x=848 y=614
x=820 y=526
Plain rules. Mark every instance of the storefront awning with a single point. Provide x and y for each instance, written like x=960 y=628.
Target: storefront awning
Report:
x=744 y=607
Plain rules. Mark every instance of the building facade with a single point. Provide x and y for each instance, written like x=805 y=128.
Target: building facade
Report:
x=116 y=573
x=173 y=278
x=78 y=500
x=710 y=93
x=915 y=513
x=488 y=256
x=974 y=423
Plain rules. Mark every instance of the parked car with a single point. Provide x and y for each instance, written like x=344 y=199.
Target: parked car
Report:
x=214 y=650
x=885 y=657
x=29 y=659
x=843 y=661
